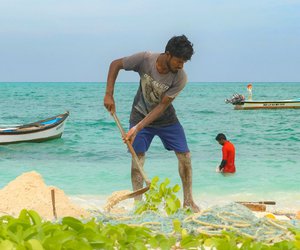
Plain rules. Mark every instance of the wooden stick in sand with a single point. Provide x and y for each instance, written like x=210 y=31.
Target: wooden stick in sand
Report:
x=53 y=203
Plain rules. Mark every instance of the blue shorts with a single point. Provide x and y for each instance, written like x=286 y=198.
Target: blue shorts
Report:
x=172 y=137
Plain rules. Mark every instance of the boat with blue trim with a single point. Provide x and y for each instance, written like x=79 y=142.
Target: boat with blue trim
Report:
x=43 y=130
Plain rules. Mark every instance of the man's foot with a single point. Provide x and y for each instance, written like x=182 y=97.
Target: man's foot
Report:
x=192 y=206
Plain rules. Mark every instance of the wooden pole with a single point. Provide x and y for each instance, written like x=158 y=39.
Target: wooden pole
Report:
x=53 y=203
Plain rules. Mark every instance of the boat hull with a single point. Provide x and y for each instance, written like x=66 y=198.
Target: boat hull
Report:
x=35 y=132
x=268 y=105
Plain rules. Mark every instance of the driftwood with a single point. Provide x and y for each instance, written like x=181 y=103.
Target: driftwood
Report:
x=259 y=206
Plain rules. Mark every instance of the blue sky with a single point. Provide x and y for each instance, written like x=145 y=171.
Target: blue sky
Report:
x=66 y=40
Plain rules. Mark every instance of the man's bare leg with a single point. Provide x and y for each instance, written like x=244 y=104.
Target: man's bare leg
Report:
x=185 y=172
x=136 y=176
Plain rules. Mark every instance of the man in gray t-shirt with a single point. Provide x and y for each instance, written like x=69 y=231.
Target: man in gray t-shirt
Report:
x=161 y=79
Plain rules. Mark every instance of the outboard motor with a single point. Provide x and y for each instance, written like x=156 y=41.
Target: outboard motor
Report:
x=236 y=99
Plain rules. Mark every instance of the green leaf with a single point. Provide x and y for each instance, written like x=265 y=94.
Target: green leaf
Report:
x=49 y=228
x=35 y=218
x=12 y=237
x=17 y=234
x=171 y=204
x=73 y=223
x=7 y=245
x=167 y=181
x=177 y=226
x=131 y=235
x=58 y=239
x=184 y=233
x=153 y=242
x=23 y=216
x=189 y=242
x=166 y=244
x=176 y=188
x=297 y=244
x=140 y=209
x=154 y=180
x=162 y=189
x=208 y=242
x=33 y=244
x=77 y=244
x=168 y=210
x=16 y=224
x=20 y=247
x=139 y=246
x=29 y=233
x=178 y=204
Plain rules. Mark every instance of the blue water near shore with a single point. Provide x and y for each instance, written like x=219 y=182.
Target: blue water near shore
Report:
x=90 y=158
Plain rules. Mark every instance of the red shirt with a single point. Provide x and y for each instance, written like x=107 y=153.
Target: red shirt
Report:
x=228 y=152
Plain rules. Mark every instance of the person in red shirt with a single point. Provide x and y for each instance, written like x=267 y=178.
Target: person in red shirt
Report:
x=228 y=154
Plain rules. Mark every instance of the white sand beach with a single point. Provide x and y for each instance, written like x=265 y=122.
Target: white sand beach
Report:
x=29 y=191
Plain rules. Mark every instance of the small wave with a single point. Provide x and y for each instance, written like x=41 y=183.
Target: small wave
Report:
x=205 y=112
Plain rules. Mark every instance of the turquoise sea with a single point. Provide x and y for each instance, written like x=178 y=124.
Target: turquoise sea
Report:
x=91 y=159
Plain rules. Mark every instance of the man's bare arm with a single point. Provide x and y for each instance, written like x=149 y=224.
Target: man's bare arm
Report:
x=113 y=72
x=152 y=116
x=155 y=113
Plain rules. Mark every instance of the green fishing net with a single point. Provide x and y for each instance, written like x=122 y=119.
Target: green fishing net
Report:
x=232 y=217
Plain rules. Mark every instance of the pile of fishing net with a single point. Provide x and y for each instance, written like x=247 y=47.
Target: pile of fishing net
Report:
x=232 y=217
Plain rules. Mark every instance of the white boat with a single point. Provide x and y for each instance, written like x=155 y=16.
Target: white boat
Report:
x=240 y=103
x=275 y=104
x=39 y=131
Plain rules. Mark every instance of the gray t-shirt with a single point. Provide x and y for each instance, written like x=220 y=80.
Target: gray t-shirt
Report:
x=153 y=87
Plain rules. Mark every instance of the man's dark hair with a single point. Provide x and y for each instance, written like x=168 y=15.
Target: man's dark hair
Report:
x=220 y=137
x=181 y=47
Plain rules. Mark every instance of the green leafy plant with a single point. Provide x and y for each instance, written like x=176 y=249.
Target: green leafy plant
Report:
x=29 y=232
x=160 y=196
